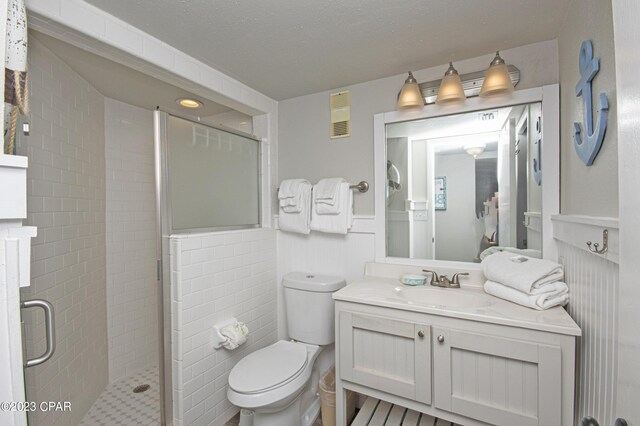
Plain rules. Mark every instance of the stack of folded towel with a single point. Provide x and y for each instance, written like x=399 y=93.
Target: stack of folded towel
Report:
x=332 y=209
x=294 y=197
x=530 y=282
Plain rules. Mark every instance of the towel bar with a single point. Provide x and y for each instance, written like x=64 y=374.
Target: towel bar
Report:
x=363 y=186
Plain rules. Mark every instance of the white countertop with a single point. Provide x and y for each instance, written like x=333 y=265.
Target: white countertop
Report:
x=468 y=302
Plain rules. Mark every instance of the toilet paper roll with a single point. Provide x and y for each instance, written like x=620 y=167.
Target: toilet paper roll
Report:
x=235 y=335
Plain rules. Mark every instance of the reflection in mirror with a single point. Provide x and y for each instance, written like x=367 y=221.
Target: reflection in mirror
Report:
x=462 y=186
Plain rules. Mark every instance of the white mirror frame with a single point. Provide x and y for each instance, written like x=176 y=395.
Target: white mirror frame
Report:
x=548 y=96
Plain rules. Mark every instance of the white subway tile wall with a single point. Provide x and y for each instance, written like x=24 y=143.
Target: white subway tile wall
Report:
x=215 y=276
x=66 y=201
x=132 y=314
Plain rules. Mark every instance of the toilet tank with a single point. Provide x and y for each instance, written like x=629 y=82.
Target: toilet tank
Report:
x=309 y=306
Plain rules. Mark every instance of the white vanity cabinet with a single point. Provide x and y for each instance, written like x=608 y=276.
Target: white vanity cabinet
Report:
x=497 y=380
x=493 y=363
x=386 y=354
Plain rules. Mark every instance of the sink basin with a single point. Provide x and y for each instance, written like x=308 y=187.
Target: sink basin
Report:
x=440 y=298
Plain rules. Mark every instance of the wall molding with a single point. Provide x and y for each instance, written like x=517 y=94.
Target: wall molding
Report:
x=533 y=221
x=576 y=230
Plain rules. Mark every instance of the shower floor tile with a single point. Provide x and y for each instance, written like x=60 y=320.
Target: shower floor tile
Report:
x=119 y=405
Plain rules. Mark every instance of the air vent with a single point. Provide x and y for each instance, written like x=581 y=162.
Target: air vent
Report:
x=340 y=104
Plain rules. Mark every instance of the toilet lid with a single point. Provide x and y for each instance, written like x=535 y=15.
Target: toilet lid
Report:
x=268 y=368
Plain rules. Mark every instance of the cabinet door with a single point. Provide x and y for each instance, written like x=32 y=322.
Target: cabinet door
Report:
x=386 y=354
x=497 y=380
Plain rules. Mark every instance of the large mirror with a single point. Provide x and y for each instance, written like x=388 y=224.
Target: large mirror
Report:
x=459 y=185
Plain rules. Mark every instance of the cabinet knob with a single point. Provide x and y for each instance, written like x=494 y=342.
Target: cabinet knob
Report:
x=441 y=338
x=420 y=333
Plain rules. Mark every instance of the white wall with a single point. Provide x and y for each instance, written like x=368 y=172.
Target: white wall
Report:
x=593 y=304
x=593 y=282
x=66 y=201
x=216 y=276
x=132 y=301
x=457 y=236
x=626 y=14
x=307 y=151
x=580 y=185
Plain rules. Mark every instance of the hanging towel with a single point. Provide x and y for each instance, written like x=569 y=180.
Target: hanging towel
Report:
x=522 y=273
x=545 y=297
x=290 y=194
x=335 y=223
x=327 y=191
x=295 y=216
x=332 y=189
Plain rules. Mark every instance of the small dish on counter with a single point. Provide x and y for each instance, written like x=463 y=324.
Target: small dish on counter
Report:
x=413 y=279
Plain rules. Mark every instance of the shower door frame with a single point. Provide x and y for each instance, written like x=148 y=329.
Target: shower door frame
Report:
x=164 y=231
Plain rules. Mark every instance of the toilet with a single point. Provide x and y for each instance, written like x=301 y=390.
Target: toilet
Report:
x=279 y=383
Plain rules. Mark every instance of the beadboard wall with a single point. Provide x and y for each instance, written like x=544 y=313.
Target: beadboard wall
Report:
x=593 y=285
x=215 y=276
x=132 y=314
x=331 y=254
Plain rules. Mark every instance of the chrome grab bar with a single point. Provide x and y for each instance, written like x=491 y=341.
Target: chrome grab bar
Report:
x=50 y=330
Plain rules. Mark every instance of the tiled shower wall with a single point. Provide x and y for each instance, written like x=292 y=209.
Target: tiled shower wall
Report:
x=66 y=201
x=132 y=302
x=215 y=276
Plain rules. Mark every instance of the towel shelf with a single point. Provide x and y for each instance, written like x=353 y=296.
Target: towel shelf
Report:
x=362 y=186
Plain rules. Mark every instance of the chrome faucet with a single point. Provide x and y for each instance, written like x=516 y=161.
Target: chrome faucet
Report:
x=444 y=281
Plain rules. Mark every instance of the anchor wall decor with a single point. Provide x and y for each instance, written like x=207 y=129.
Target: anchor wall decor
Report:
x=589 y=142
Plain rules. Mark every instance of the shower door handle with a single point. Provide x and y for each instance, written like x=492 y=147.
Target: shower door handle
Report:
x=50 y=331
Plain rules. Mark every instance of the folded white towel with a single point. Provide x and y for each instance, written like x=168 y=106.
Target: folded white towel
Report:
x=327 y=191
x=296 y=218
x=289 y=188
x=526 y=276
x=338 y=223
x=548 y=296
x=330 y=205
x=291 y=194
x=525 y=252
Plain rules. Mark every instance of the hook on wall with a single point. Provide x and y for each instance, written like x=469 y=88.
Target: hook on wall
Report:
x=595 y=247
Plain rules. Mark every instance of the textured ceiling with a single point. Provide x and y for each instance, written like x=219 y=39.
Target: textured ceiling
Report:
x=124 y=84
x=291 y=48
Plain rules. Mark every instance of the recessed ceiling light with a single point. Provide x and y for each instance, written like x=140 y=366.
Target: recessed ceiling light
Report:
x=189 y=103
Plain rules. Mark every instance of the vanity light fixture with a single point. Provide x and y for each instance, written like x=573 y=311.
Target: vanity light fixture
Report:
x=497 y=80
x=189 y=103
x=451 y=87
x=475 y=149
x=410 y=96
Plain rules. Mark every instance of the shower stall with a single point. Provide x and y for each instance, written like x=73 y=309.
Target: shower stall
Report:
x=109 y=185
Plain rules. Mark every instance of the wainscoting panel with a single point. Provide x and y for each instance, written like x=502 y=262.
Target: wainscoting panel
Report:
x=341 y=255
x=593 y=285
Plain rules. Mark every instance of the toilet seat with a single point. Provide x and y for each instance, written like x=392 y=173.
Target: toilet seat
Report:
x=269 y=368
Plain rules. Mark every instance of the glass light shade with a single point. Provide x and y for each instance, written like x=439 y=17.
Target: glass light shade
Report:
x=450 y=88
x=496 y=81
x=475 y=150
x=410 y=95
